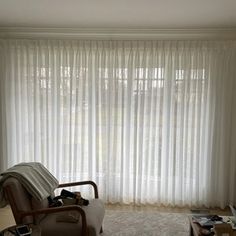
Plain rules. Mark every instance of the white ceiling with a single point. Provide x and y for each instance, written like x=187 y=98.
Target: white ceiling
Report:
x=162 y=14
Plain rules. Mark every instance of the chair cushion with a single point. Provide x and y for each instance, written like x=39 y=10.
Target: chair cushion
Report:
x=37 y=205
x=94 y=214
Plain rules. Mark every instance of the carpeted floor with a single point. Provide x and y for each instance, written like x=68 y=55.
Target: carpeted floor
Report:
x=140 y=223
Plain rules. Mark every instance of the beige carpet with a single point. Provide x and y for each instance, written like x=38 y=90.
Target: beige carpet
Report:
x=140 y=223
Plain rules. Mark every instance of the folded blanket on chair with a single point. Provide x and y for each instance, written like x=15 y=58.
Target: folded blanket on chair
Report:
x=38 y=181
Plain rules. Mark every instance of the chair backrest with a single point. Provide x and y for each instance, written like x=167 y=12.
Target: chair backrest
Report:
x=18 y=198
x=21 y=201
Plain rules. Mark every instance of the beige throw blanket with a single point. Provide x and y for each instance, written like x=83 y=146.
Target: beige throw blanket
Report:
x=39 y=182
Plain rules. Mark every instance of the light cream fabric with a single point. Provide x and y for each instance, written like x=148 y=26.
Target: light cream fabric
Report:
x=38 y=181
x=149 y=121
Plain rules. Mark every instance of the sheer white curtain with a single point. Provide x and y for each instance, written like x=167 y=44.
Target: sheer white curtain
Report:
x=149 y=121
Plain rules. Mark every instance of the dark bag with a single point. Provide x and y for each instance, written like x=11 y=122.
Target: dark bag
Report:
x=67 y=198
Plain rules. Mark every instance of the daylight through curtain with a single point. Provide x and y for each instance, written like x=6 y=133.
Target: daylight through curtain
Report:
x=149 y=121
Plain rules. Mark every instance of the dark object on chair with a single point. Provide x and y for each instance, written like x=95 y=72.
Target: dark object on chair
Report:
x=27 y=210
x=52 y=202
x=65 y=194
x=216 y=218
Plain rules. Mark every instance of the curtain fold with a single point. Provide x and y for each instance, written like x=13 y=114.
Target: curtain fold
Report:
x=150 y=121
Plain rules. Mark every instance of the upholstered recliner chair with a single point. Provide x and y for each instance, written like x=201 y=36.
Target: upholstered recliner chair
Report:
x=73 y=220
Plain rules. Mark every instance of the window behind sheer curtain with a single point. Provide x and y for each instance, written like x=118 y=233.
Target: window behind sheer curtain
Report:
x=149 y=121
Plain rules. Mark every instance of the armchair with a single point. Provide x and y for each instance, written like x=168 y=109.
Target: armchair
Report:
x=28 y=210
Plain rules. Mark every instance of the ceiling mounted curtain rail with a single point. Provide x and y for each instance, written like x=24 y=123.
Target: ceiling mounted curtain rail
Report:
x=106 y=33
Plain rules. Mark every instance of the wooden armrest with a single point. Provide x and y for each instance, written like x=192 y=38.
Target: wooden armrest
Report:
x=81 y=183
x=60 y=209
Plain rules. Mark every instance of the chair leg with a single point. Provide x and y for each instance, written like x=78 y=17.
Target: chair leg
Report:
x=101 y=230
